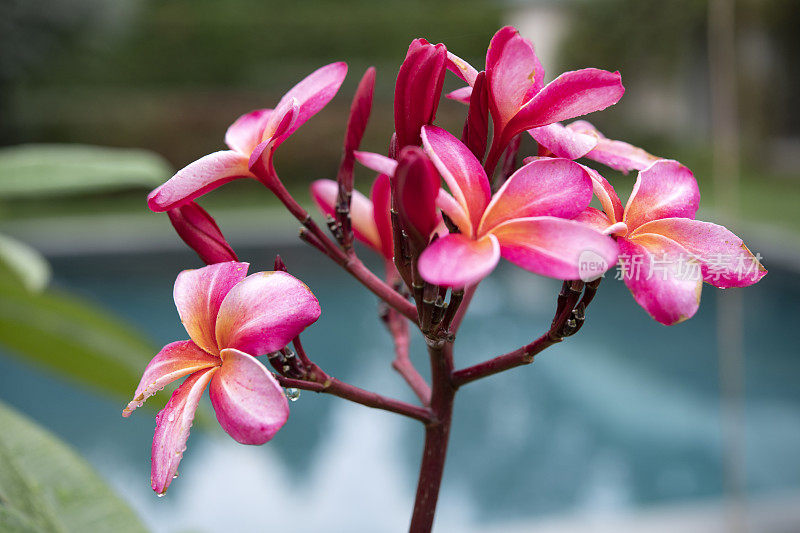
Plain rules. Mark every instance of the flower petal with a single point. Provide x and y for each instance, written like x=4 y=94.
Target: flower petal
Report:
x=475 y=134
x=457 y=260
x=264 y=312
x=415 y=187
x=618 y=155
x=654 y=269
x=418 y=90
x=325 y=194
x=174 y=361
x=311 y=94
x=454 y=211
x=725 y=260
x=665 y=189
x=543 y=187
x=570 y=95
x=460 y=169
x=556 y=247
x=377 y=162
x=199 y=230
x=244 y=134
x=196 y=179
x=381 y=196
x=461 y=68
x=513 y=73
x=172 y=429
x=562 y=141
x=250 y=405
x=198 y=295
x=606 y=194
x=595 y=218
x=463 y=95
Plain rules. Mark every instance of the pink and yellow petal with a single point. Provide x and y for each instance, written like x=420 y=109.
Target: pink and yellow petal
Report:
x=198 y=296
x=665 y=189
x=264 y=312
x=245 y=133
x=555 y=247
x=325 y=194
x=174 y=361
x=250 y=405
x=458 y=261
x=562 y=141
x=173 y=424
x=725 y=260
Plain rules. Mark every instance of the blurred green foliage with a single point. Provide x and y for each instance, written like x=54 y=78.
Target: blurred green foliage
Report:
x=45 y=487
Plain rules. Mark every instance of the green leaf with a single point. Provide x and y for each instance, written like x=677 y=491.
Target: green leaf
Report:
x=49 y=169
x=25 y=264
x=74 y=338
x=46 y=487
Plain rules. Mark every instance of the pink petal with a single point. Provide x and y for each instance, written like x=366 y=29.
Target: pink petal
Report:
x=655 y=270
x=544 y=187
x=461 y=68
x=199 y=230
x=414 y=187
x=360 y=110
x=381 y=196
x=172 y=429
x=570 y=95
x=325 y=194
x=264 y=312
x=379 y=163
x=606 y=194
x=281 y=124
x=555 y=247
x=460 y=169
x=595 y=218
x=462 y=95
x=311 y=94
x=250 y=405
x=476 y=128
x=455 y=212
x=457 y=260
x=615 y=154
x=562 y=141
x=725 y=260
x=198 y=296
x=665 y=189
x=196 y=179
x=418 y=89
x=244 y=134
x=513 y=73
x=174 y=361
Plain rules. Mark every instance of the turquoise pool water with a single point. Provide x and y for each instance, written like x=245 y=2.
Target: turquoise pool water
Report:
x=624 y=415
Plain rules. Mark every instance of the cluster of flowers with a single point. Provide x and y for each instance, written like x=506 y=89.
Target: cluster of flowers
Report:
x=442 y=212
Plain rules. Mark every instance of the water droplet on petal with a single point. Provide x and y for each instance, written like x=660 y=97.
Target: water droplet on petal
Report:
x=171 y=417
x=293 y=394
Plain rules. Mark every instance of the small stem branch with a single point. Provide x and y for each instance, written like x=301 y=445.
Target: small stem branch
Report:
x=346 y=260
x=398 y=329
x=358 y=395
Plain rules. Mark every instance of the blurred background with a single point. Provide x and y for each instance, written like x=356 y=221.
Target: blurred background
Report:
x=629 y=426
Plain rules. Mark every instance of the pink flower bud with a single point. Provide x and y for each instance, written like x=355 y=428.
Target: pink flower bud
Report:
x=418 y=88
x=415 y=187
x=199 y=230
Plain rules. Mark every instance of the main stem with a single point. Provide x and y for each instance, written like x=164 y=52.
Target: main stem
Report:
x=437 y=435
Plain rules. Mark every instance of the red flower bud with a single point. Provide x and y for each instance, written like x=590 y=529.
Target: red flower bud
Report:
x=199 y=230
x=418 y=89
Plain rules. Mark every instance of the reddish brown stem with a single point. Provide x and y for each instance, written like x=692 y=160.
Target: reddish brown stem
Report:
x=398 y=328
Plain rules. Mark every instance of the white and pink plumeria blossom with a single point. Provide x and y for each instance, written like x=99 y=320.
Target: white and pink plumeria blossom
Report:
x=581 y=139
x=526 y=221
x=252 y=141
x=230 y=318
x=665 y=255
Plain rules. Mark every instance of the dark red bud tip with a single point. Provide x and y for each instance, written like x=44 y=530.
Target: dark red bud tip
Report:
x=415 y=187
x=199 y=230
x=418 y=90
x=279 y=265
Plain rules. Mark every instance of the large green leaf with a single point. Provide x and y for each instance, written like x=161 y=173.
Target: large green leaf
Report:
x=46 y=169
x=46 y=487
x=65 y=334
x=25 y=264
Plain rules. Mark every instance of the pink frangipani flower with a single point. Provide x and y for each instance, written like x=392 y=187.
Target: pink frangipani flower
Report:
x=230 y=318
x=665 y=255
x=526 y=221
x=252 y=141
x=518 y=97
x=581 y=139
